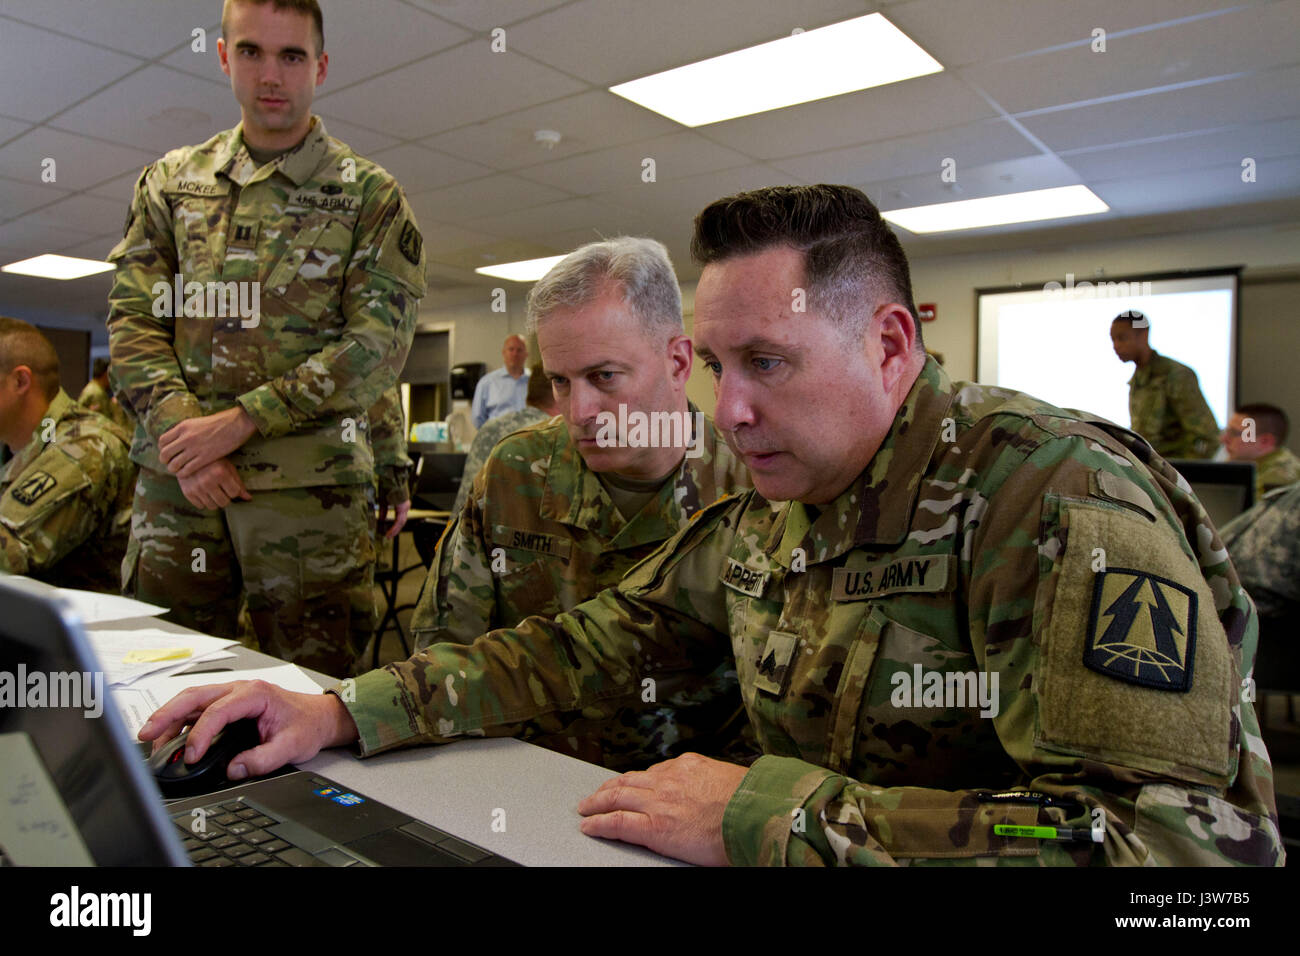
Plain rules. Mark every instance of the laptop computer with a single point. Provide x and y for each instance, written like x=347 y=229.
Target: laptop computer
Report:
x=76 y=790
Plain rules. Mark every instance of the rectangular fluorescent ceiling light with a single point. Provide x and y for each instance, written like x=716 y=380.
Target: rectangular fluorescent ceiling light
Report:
x=1032 y=206
x=526 y=270
x=841 y=58
x=50 y=266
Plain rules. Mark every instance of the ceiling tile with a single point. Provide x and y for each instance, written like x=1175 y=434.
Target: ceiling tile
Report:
x=145 y=28
x=991 y=179
x=587 y=122
x=610 y=41
x=84 y=213
x=1202 y=188
x=419 y=169
x=362 y=140
x=492 y=195
x=675 y=156
x=486 y=14
x=464 y=85
x=156 y=109
x=1249 y=99
x=973 y=145
x=17 y=198
x=79 y=162
x=41 y=59
x=900 y=109
x=1262 y=38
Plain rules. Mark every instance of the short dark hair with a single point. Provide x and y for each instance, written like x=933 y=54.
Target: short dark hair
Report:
x=850 y=252
x=100 y=367
x=1131 y=318
x=539 y=386
x=22 y=343
x=1269 y=419
x=309 y=7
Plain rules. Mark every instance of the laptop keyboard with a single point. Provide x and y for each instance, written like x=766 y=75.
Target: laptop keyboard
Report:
x=240 y=832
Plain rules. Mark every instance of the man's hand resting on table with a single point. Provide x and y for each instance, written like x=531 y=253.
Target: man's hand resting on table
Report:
x=293 y=727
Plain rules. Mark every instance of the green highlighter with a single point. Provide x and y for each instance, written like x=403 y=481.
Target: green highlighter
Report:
x=1066 y=834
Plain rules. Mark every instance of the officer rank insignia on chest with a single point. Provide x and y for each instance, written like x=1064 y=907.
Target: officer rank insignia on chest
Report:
x=1142 y=630
x=33 y=487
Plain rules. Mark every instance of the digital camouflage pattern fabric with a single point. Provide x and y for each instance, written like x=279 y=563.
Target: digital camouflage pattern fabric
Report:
x=1166 y=408
x=1278 y=468
x=976 y=542
x=1265 y=546
x=65 y=501
x=95 y=397
x=319 y=230
x=324 y=242
x=539 y=535
x=485 y=439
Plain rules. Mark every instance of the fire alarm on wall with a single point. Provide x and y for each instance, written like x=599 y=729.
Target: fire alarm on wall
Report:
x=927 y=311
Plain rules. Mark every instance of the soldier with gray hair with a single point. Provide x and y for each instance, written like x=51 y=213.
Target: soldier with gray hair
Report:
x=969 y=627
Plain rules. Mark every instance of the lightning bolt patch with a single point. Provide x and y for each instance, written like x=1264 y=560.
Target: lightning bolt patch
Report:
x=1142 y=630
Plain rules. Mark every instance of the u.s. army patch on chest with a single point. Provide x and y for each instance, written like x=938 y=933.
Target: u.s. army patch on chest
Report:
x=33 y=487
x=1142 y=629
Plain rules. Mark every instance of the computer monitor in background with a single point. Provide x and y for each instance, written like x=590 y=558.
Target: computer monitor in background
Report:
x=73 y=787
x=1225 y=488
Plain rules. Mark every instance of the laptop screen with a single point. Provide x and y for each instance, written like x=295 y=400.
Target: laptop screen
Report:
x=74 y=790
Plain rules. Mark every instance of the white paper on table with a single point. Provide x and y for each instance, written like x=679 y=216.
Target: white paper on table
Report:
x=112 y=646
x=175 y=667
x=138 y=700
x=93 y=607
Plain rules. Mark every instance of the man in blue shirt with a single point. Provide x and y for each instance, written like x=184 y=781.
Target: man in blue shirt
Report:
x=505 y=389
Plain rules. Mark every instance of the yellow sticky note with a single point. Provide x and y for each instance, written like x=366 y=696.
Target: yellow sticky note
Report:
x=157 y=654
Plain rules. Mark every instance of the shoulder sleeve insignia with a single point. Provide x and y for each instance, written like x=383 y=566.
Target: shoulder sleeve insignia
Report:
x=411 y=243
x=1142 y=630
x=33 y=487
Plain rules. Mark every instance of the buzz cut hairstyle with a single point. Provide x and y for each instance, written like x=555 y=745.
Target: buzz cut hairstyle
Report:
x=309 y=7
x=640 y=267
x=1132 y=316
x=1269 y=419
x=853 y=261
x=22 y=343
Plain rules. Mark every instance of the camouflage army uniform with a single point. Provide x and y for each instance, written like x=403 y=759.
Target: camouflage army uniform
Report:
x=1265 y=546
x=539 y=535
x=991 y=534
x=388 y=443
x=96 y=397
x=1166 y=408
x=1279 y=467
x=328 y=239
x=65 y=503
x=485 y=439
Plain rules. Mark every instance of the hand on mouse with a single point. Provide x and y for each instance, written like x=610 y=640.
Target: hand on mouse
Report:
x=293 y=727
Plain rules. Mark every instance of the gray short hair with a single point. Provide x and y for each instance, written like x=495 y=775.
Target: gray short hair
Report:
x=640 y=266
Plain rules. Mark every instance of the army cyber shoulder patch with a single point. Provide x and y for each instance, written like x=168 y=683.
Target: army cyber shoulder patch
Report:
x=1142 y=629
x=411 y=243
x=33 y=487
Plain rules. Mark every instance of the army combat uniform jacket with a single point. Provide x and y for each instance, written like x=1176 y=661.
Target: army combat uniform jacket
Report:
x=1007 y=599
x=1166 y=408
x=1265 y=546
x=539 y=534
x=323 y=242
x=1279 y=467
x=95 y=397
x=65 y=501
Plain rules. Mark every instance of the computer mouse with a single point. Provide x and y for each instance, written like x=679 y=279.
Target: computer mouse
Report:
x=176 y=778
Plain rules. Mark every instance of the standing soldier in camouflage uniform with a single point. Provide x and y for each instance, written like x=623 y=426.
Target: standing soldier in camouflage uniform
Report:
x=97 y=397
x=65 y=498
x=553 y=517
x=962 y=617
x=1257 y=433
x=1165 y=403
x=392 y=464
x=265 y=298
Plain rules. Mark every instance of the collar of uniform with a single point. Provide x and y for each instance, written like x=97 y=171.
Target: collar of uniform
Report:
x=59 y=407
x=876 y=509
x=299 y=164
x=589 y=506
x=1147 y=372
